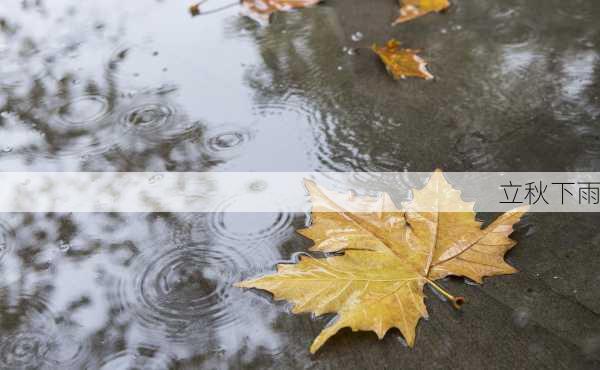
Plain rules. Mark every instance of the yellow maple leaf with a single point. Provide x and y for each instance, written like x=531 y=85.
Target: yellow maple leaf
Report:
x=388 y=256
x=402 y=63
x=411 y=9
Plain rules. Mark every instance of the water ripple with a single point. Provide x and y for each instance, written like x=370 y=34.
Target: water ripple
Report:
x=157 y=121
x=31 y=338
x=590 y=139
x=226 y=141
x=519 y=34
x=80 y=126
x=185 y=293
x=146 y=358
x=86 y=110
x=356 y=128
x=248 y=227
x=475 y=150
x=23 y=350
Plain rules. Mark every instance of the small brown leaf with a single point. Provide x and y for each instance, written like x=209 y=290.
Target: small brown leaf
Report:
x=411 y=9
x=402 y=63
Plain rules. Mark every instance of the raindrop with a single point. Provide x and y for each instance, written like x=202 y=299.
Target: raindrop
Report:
x=148 y=115
x=521 y=317
x=339 y=68
x=349 y=51
x=357 y=36
x=257 y=186
x=63 y=246
x=154 y=179
x=155 y=120
x=226 y=141
x=471 y=282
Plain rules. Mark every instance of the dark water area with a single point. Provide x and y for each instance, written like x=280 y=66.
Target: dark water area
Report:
x=142 y=86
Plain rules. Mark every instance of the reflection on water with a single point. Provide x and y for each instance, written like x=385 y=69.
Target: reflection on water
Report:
x=34 y=337
x=131 y=291
x=185 y=293
x=141 y=86
x=149 y=88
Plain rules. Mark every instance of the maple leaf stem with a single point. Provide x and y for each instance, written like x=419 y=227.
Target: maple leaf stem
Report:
x=196 y=11
x=457 y=302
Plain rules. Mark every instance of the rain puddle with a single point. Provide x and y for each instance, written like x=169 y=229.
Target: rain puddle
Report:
x=143 y=86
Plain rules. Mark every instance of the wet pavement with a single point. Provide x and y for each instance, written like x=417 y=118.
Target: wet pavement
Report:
x=142 y=86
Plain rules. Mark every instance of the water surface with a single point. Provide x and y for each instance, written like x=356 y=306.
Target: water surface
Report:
x=142 y=86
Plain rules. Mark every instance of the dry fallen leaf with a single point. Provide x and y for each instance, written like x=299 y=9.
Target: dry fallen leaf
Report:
x=411 y=9
x=262 y=9
x=388 y=256
x=402 y=63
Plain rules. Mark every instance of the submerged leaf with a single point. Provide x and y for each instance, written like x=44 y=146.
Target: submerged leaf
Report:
x=402 y=63
x=411 y=9
x=388 y=256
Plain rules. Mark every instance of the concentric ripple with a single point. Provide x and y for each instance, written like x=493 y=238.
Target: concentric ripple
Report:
x=349 y=154
x=31 y=339
x=248 y=227
x=519 y=34
x=23 y=350
x=146 y=358
x=148 y=116
x=154 y=119
x=226 y=141
x=83 y=110
x=185 y=293
x=80 y=126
